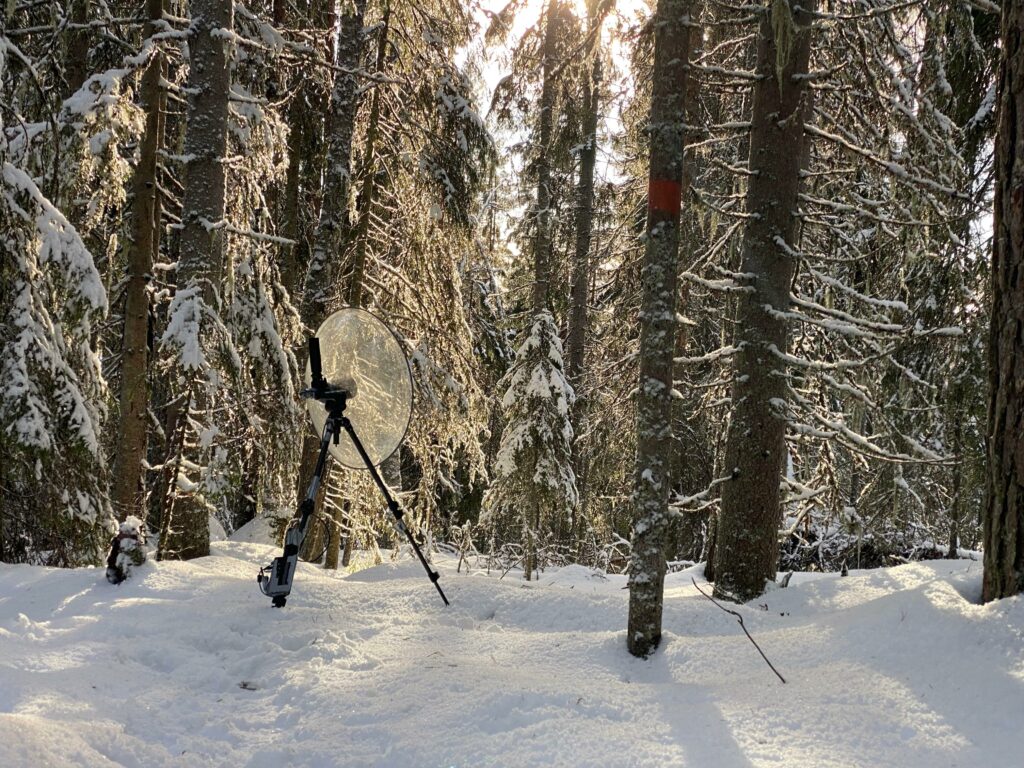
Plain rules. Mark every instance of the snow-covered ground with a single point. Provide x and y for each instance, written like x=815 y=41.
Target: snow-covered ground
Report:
x=187 y=664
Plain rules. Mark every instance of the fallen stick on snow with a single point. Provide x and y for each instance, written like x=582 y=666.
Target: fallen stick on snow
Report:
x=740 y=620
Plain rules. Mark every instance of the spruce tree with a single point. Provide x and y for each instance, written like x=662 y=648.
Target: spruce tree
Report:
x=533 y=495
x=746 y=552
x=54 y=507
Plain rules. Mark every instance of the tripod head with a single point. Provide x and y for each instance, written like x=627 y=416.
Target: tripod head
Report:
x=334 y=397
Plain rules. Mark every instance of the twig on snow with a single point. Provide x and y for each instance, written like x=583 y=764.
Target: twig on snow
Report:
x=739 y=618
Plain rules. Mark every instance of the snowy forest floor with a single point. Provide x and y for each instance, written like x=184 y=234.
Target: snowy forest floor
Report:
x=187 y=664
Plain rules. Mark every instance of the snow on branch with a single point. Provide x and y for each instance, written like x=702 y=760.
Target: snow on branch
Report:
x=710 y=357
x=726 y=286
x=896 y=170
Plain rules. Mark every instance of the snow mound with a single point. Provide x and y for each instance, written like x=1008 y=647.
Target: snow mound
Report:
x=259 y=530
x=187 y=664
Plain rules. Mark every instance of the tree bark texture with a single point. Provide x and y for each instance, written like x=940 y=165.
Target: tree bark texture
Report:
x=127 y=492
x=202 y=247
x=579 y=298
x=334 y=225
x=369 y=187
x=307 y=112
x=77 y=69
x=186 y=534
x=658 y=325
x=747 y=549
x=542 y=212
x=575 y=340
x=341 y=518
x=291 y=212
x=1004 y=507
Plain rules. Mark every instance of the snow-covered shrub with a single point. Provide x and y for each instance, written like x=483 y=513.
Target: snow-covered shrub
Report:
x=127 y=550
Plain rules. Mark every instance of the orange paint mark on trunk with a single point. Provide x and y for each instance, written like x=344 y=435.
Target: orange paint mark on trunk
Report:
x=663 y=196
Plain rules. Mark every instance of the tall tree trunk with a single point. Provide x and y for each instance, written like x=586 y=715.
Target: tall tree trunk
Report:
x=77 y=69
x=531 y=525
x=307 y=157
x=334 y=229
x=292 y=256
x=575 y=339
x=579 y=295
x=689 y=469
x=542 y=213
x=185 y=531
x=4 y=556
x=127 y=493
x=285 y=203
x=340 y=517
x=1004 y=505
x=658 y=325
x=955 y=504
x=747 y=549
x=355 y=288
x=350 y=536
x=391 y=468
x=391 y=473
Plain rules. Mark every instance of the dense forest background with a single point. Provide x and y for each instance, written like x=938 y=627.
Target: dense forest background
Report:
x=189 y=188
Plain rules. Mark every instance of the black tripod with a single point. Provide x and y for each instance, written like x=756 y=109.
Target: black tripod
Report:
x=275 y=580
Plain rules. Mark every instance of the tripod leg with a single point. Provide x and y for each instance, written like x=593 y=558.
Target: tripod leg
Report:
x=276 y=581
x=393 y=506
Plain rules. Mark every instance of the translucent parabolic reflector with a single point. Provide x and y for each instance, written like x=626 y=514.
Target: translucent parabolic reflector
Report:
x=362 y=354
